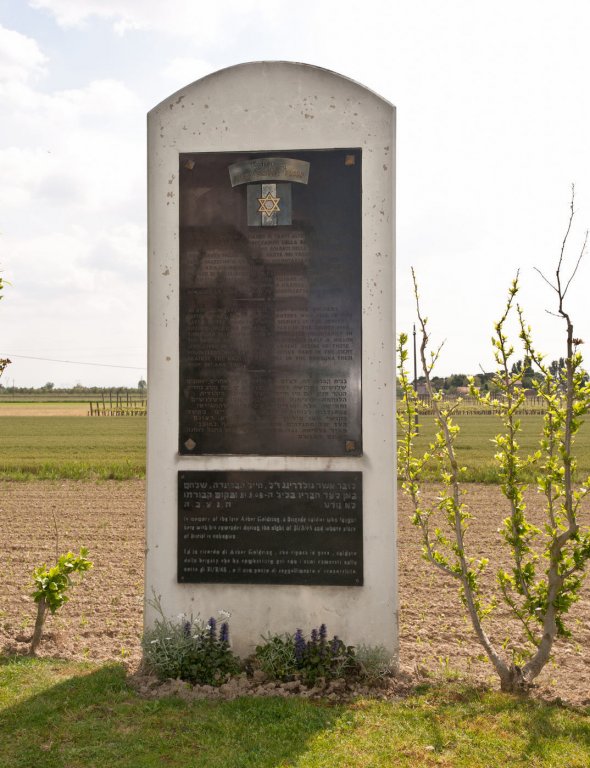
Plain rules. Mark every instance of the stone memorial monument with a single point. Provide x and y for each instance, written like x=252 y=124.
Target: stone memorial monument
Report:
x=271 y=471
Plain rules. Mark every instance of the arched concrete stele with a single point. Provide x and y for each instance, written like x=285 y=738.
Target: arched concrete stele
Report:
x=271 y=472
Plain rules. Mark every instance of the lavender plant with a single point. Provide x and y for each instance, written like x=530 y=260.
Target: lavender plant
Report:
x=548 y=563
x=189 y=648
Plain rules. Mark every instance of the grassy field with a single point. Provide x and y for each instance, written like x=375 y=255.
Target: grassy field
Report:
x=475 y=449
x=8 y=396
x=50 y=447
x=77 y=447
x=64 y=714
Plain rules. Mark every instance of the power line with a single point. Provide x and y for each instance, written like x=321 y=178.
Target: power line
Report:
x=75 y=362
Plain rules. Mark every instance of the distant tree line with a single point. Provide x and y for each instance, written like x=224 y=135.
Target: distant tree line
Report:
x=78 y=389
x=456 y=382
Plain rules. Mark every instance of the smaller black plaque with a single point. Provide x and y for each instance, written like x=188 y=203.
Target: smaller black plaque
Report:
x=270 y=528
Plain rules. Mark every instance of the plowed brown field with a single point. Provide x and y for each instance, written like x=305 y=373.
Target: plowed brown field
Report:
x=104 y=618
x=44 y=409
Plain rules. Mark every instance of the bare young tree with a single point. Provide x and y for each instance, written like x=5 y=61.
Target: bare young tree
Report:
x=548 y=563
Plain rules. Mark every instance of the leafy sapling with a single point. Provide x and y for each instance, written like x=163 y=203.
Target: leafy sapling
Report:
x=51 y=586
x=548 y=562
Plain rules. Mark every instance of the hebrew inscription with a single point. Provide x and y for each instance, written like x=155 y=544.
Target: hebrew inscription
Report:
x=270 y=527
x=270 y=303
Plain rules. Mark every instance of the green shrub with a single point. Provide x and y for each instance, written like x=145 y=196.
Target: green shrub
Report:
x=276 y=657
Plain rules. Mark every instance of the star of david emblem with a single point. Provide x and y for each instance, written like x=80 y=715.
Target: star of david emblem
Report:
x=268 y=204
x=268 y=182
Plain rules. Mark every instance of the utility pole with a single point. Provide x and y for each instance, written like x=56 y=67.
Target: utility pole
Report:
x=415 y=378
x=415 y=365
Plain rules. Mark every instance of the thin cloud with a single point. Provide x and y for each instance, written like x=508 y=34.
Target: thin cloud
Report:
x=20 y=57
x=176 y=18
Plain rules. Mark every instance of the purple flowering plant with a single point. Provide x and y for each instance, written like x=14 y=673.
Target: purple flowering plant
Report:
x=189 y=649
x=289 y=657
x=300 y=646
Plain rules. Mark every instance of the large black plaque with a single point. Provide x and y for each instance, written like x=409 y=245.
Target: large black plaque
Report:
x=270 y=528
x=270 y=303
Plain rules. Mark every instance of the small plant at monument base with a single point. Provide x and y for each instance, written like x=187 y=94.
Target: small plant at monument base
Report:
x=51 y=586
x=276 y=657
x=374 y=662
x=286 y=657
x=189 y=648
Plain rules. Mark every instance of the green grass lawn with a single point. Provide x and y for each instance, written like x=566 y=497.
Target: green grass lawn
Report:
x=71 y=447
x=55 y=714
x=475 y=449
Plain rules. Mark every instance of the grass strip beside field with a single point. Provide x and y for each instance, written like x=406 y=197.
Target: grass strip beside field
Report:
x=70 y=447
x=475 y=448
x=56 y=713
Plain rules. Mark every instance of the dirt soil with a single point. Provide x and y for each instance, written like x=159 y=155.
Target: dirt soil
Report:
x=104 y=618
x=44 y=409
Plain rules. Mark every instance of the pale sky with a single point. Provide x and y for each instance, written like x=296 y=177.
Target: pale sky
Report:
x=493 y=111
